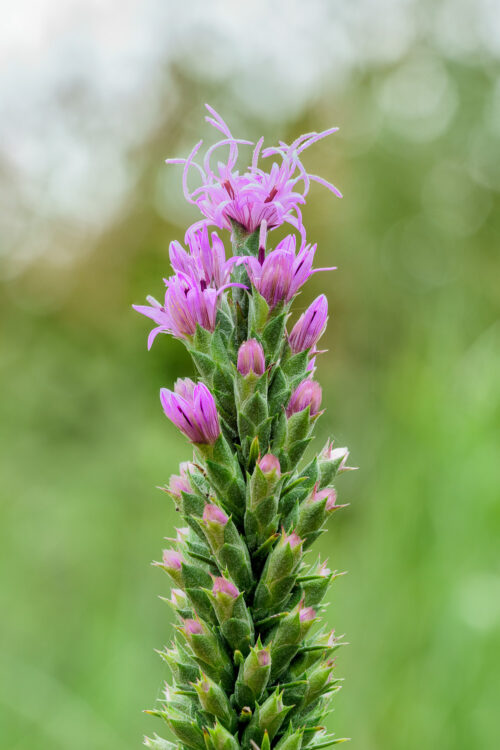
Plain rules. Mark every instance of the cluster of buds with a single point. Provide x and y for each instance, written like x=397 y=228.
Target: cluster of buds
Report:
x=247 y=669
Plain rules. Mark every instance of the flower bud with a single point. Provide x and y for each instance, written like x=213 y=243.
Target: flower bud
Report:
x=290 y=632
x=208 y=649
x=268 y=719
x=307 y=394
x=180 y=482
x=254 y=675
x=225 y=587
x=214 y=522
x=172 y=563
x=310 y=326
x=220 y=739
x=277 y=578
x=332 y=461
x=269 y=464
x=184 y=387
x=251 y=358
x=193 y=627
x=214 y=700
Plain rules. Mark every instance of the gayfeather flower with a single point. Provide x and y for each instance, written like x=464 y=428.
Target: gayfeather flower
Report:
x=206 y=260
x=307 y=393
x=195 y=413
x=279 y=275
x=310 y=326
x=273 y=196
x=251 y=507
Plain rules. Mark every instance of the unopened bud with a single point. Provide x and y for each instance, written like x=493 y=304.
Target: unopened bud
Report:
x=251 y=358
x=307 y=394
x=308 y=329
x=269 y=464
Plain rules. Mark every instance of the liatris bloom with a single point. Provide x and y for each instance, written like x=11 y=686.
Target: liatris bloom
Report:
x=186 y=305
x=310 y=326
x=251 y=358
x=307 y=393
x=279 y=275
x=206 y=261
x=249 y=671
x=195 y=413
x=255 y=196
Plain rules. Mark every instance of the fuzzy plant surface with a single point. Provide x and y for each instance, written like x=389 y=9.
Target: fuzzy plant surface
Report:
x=251 y=667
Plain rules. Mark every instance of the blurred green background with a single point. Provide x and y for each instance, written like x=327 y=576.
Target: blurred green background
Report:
x=94 y=99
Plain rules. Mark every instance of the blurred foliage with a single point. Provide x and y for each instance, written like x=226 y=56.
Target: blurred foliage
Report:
x=411 y=382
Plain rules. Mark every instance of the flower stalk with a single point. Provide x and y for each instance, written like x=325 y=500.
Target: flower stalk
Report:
x=249 y=668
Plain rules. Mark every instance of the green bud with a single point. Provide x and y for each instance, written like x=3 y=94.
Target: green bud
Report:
x=286 y=639
x=291 y=740
x=214 y=701
x=278 y=576
x=253 y=676
x=232 y=614
x=220 y=738
x=267 y=718
x=187 y=731
x=227 y=545
x=209 y=652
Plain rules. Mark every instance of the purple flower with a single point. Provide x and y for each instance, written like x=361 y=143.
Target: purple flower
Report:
x=251 y=358
x=256 y=195
x=308 y=329
x=186 y=304
x=269 y=463
x=307 y=393
x=194 y=413
x=206 y=261
x=279 y=275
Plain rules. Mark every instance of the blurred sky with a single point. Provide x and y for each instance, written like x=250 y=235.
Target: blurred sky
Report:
x=93 y=97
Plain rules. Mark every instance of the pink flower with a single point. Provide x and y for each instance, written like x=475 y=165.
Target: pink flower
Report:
x=255 y=196
x=195 y=414
x=251 y=358
x=307 y=393
x=279 y=275
x=206 y=261
x=310 y=326
x=186 y=305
